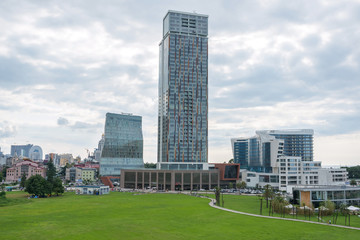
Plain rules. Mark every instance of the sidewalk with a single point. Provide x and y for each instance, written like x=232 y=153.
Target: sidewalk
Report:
x=212 y=204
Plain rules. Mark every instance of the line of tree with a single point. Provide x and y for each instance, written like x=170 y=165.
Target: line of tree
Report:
x=39 y=186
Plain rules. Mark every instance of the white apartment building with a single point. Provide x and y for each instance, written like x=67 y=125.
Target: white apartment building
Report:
x=290 y=172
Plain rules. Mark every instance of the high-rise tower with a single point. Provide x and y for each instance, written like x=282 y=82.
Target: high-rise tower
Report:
x=123 y=144
x=183 y=91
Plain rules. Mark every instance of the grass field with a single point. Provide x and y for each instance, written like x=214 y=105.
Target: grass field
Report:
x=251 y=204
x=147 y=216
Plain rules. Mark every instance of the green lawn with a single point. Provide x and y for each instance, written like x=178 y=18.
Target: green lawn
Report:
x=147 y=216
x=251 y=204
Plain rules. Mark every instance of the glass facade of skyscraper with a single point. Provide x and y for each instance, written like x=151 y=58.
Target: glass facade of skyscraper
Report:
x=183 y=89
x=297 y=142
x=258 y=153
x=123 y=144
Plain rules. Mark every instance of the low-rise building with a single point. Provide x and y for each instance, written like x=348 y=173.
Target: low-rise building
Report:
x=314 y=195
x=73 y=174
x=88 y=174
x=27 y=167
x=290 y=172
x=92 y=190
x=172 y=180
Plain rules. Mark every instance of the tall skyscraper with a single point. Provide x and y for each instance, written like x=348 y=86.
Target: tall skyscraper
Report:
x=123 y=144
x=297 y=142
x=183 y=91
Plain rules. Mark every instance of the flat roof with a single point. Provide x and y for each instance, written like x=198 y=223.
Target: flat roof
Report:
x=325 y=187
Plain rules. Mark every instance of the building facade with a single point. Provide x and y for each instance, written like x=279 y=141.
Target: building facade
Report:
x=297 y=142
x=36 y=153
x=73 y=174
x=27 y=167
x=314 y=195
x=172 y=180
x=183 y=89
x=21 y=150
x=258 y=153
x=123 y=144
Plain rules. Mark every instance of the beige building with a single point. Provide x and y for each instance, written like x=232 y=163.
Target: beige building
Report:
x=88 y=174
x=76 y=174
x=27 y=167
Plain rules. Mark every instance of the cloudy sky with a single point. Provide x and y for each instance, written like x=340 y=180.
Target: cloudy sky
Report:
x=272 y=65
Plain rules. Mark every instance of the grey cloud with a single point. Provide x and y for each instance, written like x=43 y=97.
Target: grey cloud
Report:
x=62 y=121
x=84 y=125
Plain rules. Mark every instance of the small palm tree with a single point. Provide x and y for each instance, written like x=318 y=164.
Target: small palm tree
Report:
x=268 y=194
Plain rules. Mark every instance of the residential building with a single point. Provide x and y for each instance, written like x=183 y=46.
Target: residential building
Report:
x=183 y=90
x=258 y=153
x=73 y=174
x=123 y=144
x=290 y=172
x=27 y=167
x=297 y=142
x=65 y=158
x=88 y=174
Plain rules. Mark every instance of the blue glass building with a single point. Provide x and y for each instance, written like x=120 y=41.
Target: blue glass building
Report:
x=183 y=89
x=297 y=142
x=123 y=144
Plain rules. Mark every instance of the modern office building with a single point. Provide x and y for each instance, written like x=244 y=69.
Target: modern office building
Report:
x=258 y=153
x=183 y=91
x=36 y=153
x=21 y=150
x=297 y=142
x=123 y=144
x=313 y=196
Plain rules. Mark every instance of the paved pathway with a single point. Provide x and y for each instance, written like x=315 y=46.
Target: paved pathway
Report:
x=212 y=204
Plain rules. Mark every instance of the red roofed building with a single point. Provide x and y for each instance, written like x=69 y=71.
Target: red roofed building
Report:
x=28 y=167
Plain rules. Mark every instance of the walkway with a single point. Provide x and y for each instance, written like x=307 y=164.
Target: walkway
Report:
x=212 y=204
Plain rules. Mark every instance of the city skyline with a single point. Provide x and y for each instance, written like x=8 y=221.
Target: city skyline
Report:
x=272 y=65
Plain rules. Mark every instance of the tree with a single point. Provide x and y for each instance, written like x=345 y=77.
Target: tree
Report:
x=50 y=175
x=37 y=185
x=62 y=172
x=3 y=172
x=231 y=160
x=329 y=207
x=242 y=185
x=353 y=172
x=217 y=195
x=2 y=191
x=231 y=185
x=23 y=180
x=268 y=194
x=51 y=171
x=58 y=186
x=150 y=165
x=353 y=182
